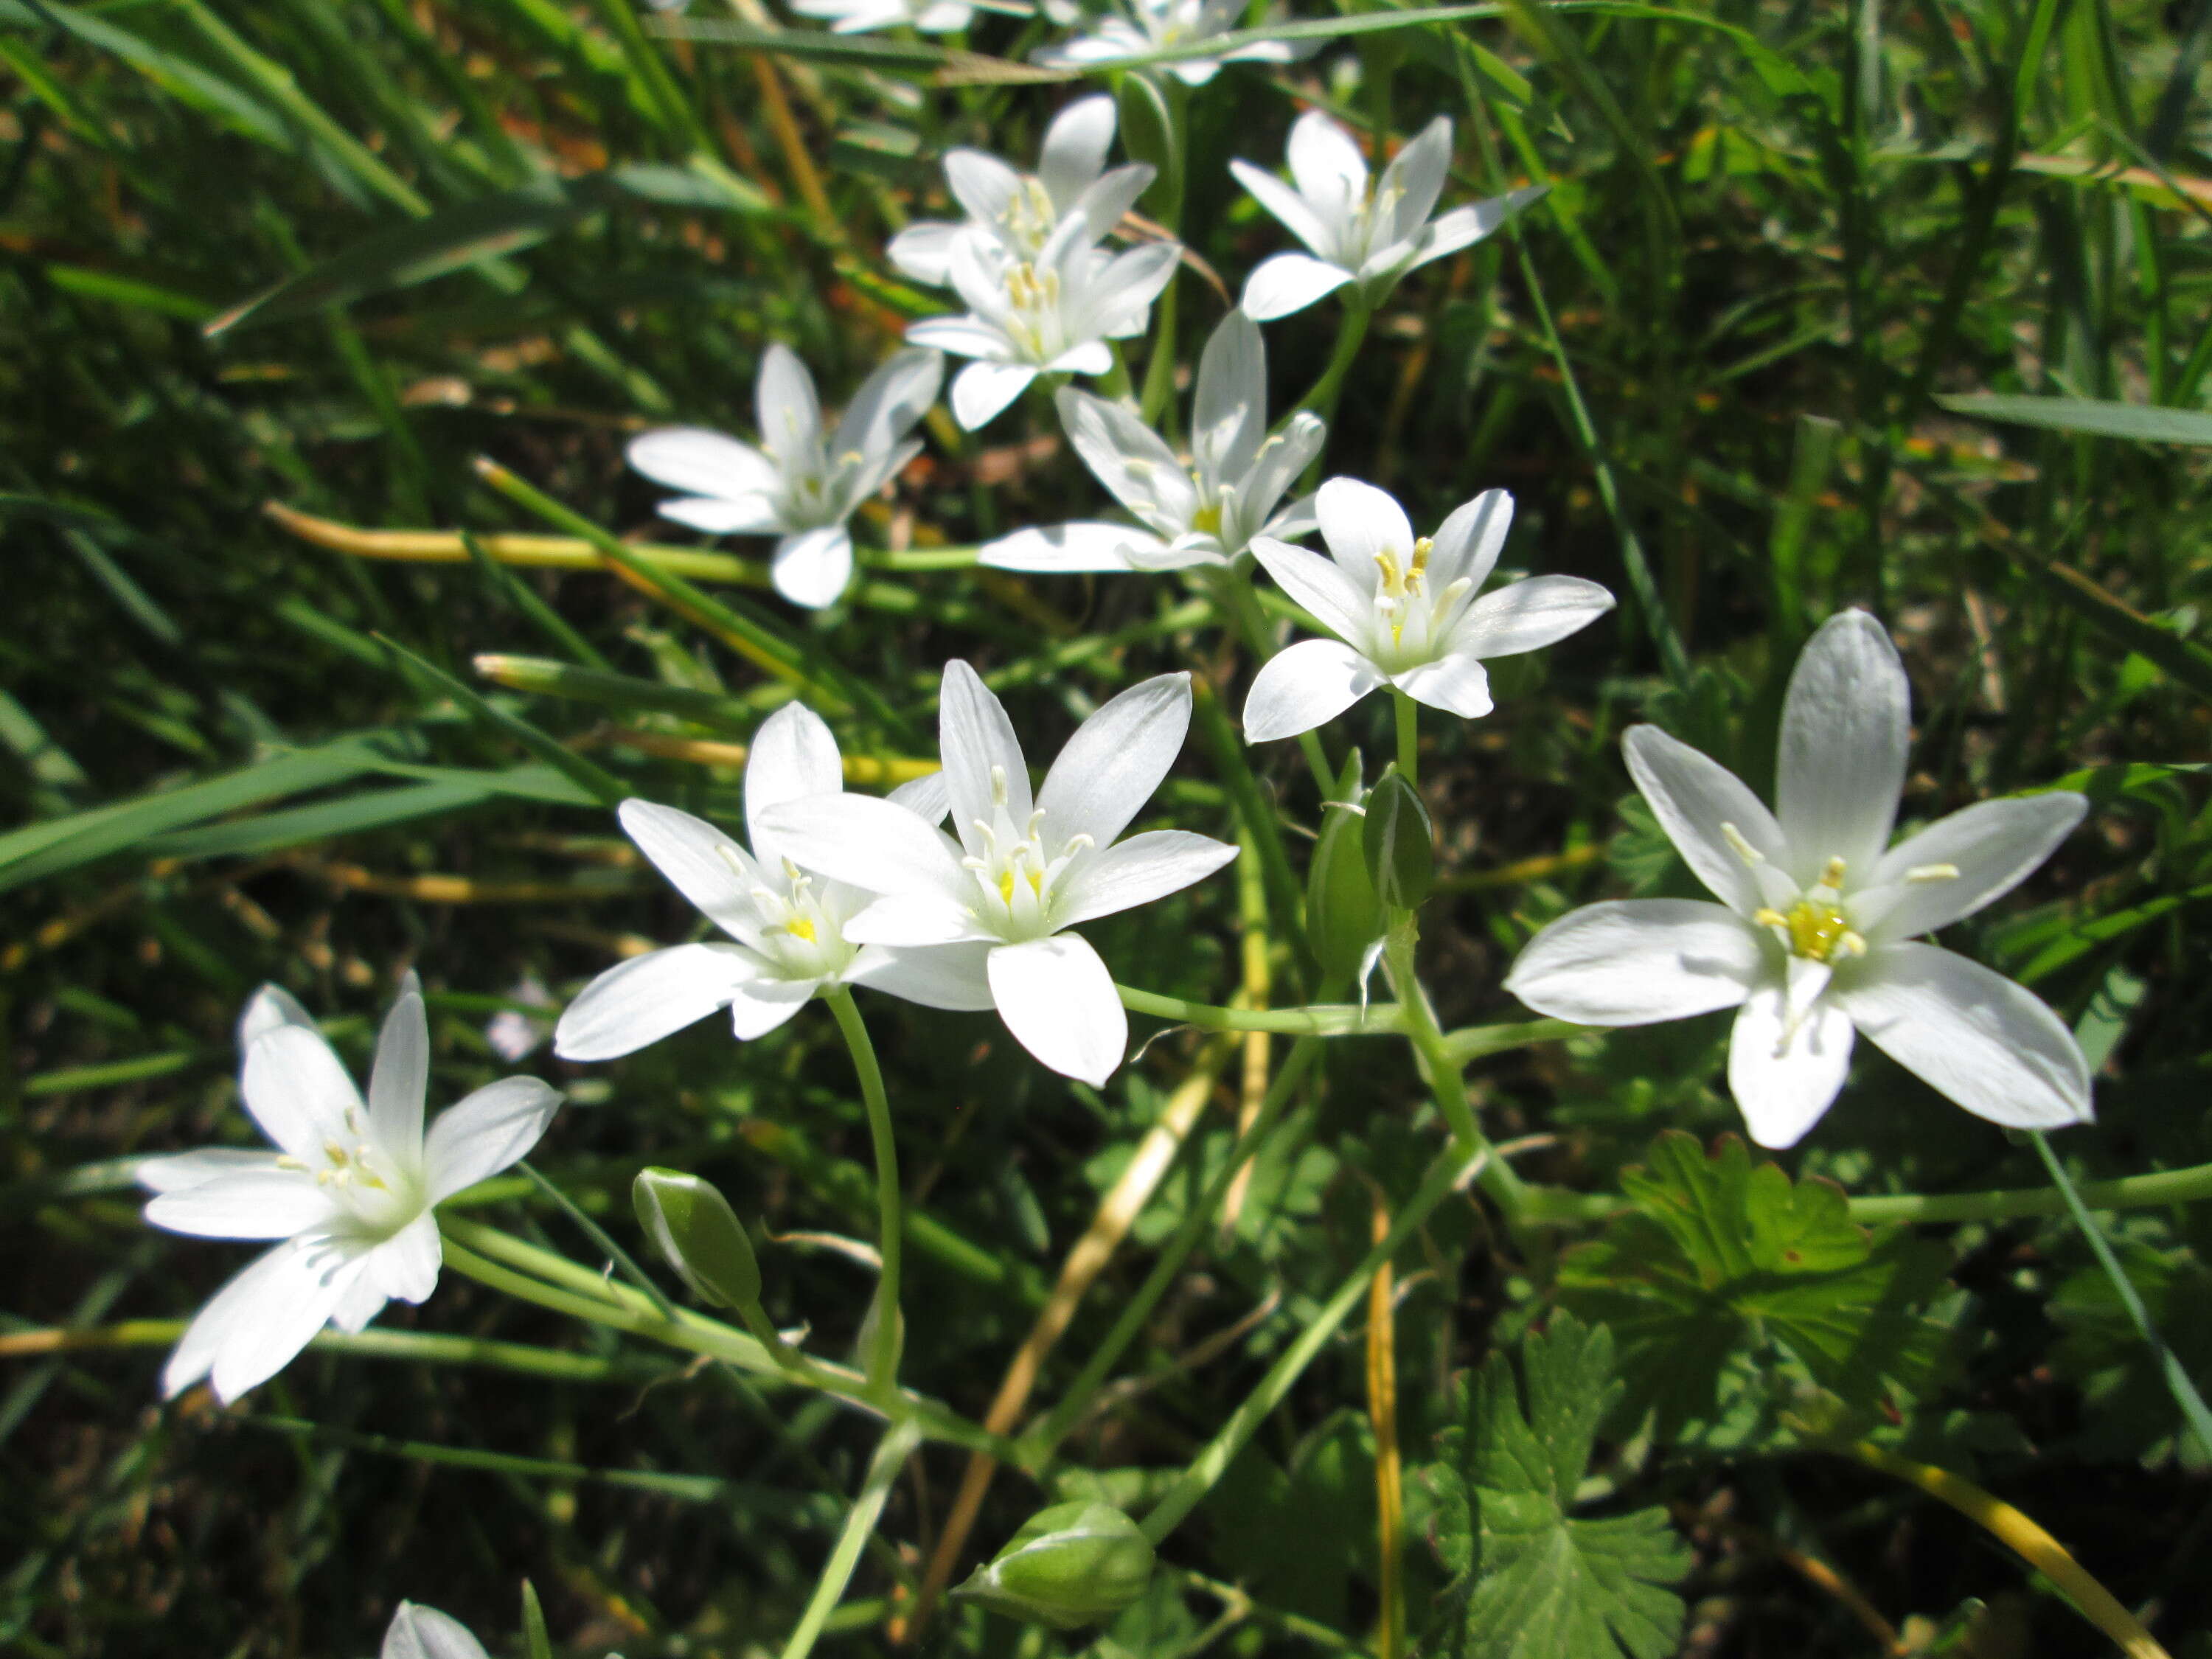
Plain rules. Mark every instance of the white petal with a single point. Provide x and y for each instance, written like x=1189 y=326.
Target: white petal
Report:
x=1102 y=204
x=923 y=252
x=1463 y=227
x=1136 y=871
x=915 y=919
x=266 y=1203
x=1114 y=760
x=943 y=17
x=1306 y=686
x=984 y=186
x=928 y=796
x=790 y=414
x=812 y=567
x=699 y=462
x=646 y=998
x=982 y=389
x=1228 y=409
x=418 y=1632
x=1129 y=459
x=794 y=755
x=1075 y=145
x=758 y=1007
x=1325 y=165
x=1414 y=179
x=485 y=1133
x=253 y=1325
x=1526 y=615
x=1467 y=544
x=1280 y=460
x=299 y=1093
x=965 y=337
x=700 y=862
x=1066 y=548
x=1845 y=730
x=1292 y=210
x=950 y=976
x=1090 y=357
x=1360 y=522
x=1124 y=290
x=399 y=1080
x=1785 y=1073
x=1993 y=846
x=869 y=844
x=1971 y=1034
x=1336 y=601
x=362 y=1302
x=1288 y=283
x=178 y=1171
x=1058 y=999
x=1634 y=962
x=1691 y=797
x=405 y=1267
x=1458 y=684
x=726 y=515
x=267 y=1008
x=980 y=752
x=889 y=404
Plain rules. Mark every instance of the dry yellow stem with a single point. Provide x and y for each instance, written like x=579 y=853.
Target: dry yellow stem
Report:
x=1382 y=1412
x=544 y=552
x=864 y=769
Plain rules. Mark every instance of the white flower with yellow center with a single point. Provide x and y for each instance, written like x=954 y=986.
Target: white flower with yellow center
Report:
x=1145 y=26
x=788 y=929
x=1016 y=213
x=1406 y=611
x=1023 y=870
x=1814 y=938
x=800 y=485
x=1359 y=230
x=350 y=1188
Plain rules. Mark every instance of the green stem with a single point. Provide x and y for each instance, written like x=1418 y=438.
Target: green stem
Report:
x=2188 y=1185
x=1236 y=604
x=2177 y=1383
x=1409 y=737
x=1350 y=331
x=1319 y=1020
x=424 y=1347
x=883 y=1361
x=891 y=1453
x=1227 y=747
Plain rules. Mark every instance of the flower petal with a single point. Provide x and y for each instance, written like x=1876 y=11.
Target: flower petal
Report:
x=266 y=1010
x=926 y=797
x=399 y=1080
x=362 y=1302
x=1058 y=999
x=1066 y=548
x=1361 y=524
x=1129 y=459
x=1114 y=760
x=264 y=1203
x=726 y=515
x=1413 y=180
x=1634 y=962
x=1785 y=1076
x=984 y=186
x=790 y=414
x=1326 y=166
x=1136 y=871
x=867 y=843
x=1526 y=615
x=1693 y=797
x=299 y=1093
x=758 y=1006
x=1104 y=202
x=1306 y=686
x=1074 y=151
x=982 y=390
x=965 y=337
x=405 y=1267
x=1286 y=283
x=1229 y=407
x=923 y=252
x=700 y=862
x=1463 y=227
x=889 y=404
x=1993 y=846
x=1292 y=209
x=646 y=998
x=418 y=1632
x=1458 y=684
x=1971 y=1034
x=1845 y=731
x=700 y=462
x=980 y=753
x=485 y=1133
x=1467 y=544
x=253 y=1325
x=950 y=976
x=1281 y=458
x=1337 y=601
x=812 y=567
x=915 y=919
x=176 y=1171
x=794 y=755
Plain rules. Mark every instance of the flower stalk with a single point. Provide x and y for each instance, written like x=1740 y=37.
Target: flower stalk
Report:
x=882 y=1360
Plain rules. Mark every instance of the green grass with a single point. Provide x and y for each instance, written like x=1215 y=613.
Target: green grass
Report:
x=1759 y=356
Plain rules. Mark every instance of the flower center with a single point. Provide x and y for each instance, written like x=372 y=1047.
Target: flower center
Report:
x=800 y=938
x=1034 y=324
x=1014 y=874
x=1815 y=926
x=1030 y=217
x=1411 y=622
x=353 y=1172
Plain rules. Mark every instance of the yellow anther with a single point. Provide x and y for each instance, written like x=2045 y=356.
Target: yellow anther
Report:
x=1820 y=931
x=800 y=928
x=1037 y=882
x=1006 y=886
x=1832 y=874
x=1208 y=520
x=1421 y=557
x=1927 y=872
x=1393 y=579
x=1768 y=917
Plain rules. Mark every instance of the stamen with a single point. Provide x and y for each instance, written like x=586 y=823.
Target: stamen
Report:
x=1832 y=874
x=998 y=786
x=1006 y=886
x=1743 y=849
x=800 y=928
x=1929 y=873
x=1421 y=547
x=728 y=854
x=286 y=1161
x=1769 y=917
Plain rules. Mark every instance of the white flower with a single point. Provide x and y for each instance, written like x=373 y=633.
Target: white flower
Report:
x=1204 y=513
x=1359 y=232
x=1811 y=940
x=350 y=1190
x=855 y=17
x=795 y=486
x=1405 y=612
x=420 y=1633
x=1148 y=26
x=790 y=929
x=1052 y=314
x=1016 y=213
x=1022 y=872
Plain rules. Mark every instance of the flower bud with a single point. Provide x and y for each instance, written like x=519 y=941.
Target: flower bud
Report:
x=1400 y=843
x=1071 y=1564
x=693 y=1225
x=1343 y=915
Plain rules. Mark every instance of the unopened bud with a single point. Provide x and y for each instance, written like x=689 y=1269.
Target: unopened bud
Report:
x=693 y=1225
x=1343 y=915
x=1400 y=843
x=1072 y=1564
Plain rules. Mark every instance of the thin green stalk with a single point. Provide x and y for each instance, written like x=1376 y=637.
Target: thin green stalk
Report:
x=2178 y=1382
x=1409 y=737
x=1350 y=330
x=891 y=1452
x=884 y=1357
x=425 y=1347
x=1284 y=889
x=1237 y=610
x=1318 y=1020
x=2189 y=1186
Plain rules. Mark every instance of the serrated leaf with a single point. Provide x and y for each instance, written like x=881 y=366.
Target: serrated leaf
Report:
x=1727 y=1276
x=1538 y=1581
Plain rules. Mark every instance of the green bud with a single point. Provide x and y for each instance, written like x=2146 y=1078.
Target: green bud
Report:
x=1343 y=915
x=1072 y=1564
x=1399 y=843
x=1147 y=122
x=693 y=1225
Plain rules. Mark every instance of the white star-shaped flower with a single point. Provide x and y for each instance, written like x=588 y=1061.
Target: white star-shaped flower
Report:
x=1015 y=214
x=1358 y=230
x=1405 y=612
x=1203 y=511
x=856 y=16
x=1051 y=314
x=1138 y=27
x=1814 y=938
x=350 y=1190
x=1023 y=871
x=790 y=930
x=796 y=486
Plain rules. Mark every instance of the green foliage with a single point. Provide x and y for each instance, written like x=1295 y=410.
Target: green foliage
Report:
x=1536 y=1580
x=1730 y=1286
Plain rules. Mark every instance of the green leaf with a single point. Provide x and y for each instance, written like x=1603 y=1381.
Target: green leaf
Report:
x=1536 y=1581
x=1731 y=1286
x=2143 y=422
